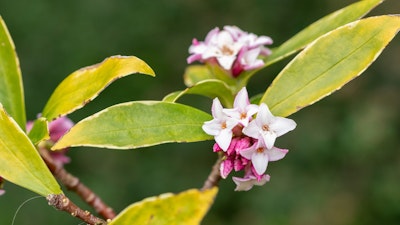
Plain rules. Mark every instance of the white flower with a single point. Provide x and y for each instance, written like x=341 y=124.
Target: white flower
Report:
x=242 y=109
x=221 y=126
x=260 y=155
x=268 y=127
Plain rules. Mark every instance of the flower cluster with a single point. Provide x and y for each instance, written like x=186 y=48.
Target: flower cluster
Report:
x=233 y=49
x=57 y=129
x=247 y=143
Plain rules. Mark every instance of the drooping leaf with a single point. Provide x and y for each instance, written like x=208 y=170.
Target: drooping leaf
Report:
x=39 y=131
x=329 y=63
x=138 y=124
x=210 y=88
x=85 y=84
x=11 y=88
x=195 y=73
x=20 y=162
x=320 y=27
x=186 y=208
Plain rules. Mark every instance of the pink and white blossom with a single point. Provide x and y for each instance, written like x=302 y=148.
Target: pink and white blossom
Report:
x=249 y=180
x=233 y=49
x=221 y=126
x=268 y=127
x=260 y=155
x=242 y=109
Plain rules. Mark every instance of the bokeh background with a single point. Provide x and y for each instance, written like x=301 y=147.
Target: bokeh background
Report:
x=344 y=160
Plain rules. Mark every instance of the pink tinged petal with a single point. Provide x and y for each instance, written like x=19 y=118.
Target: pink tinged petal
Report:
x=226 y=61
x=224 y=138
x=275 y=153
x=216 y=108
x=216 y=148
x=252 y=130
x=211 y=34
x=59 y=127
x=263 y=40
x=245 y=184
x=243 y=143
x=268 y=138
x=241 y=99
x=238 y=164
x=248 y=152
x=281 y=126
x=260 y=162
x=2 y=192
x=193 y=58
x=212 y=127
x=264 y=116
x=225 y=168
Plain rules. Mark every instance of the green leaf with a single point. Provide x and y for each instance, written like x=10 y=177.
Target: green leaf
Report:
x=138 y=124
x=39 y=131
x=320 y=27
x=329 y=63
x=186 y=208
x=85 y=84
x=210 y=88
x=20 y=162
x=196 y=73
x=11 y=89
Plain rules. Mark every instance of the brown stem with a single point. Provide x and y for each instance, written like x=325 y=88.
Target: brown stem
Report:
x=61 y=202
x=74 y=184
x=214 y=177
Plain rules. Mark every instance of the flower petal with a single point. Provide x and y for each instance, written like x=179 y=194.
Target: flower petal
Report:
x=275 y=153
x=260 y=162
x=281 y=126
x=225 y=168
x=224 y=138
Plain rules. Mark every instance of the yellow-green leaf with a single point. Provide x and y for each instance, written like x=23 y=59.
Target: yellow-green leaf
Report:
x=39 y=131
x=138 y=124
x=210 y=88
x=20 y=162
x=329 y=63
x=85 y=84
x=186 y=208
x=320 y=27
x=196 y=73
x=11 y=89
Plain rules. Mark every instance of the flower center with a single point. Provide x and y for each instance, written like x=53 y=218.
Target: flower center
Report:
x=226 y=50
x=265 y=127
x=243 y=116
x=223 y=125
x=260 y=150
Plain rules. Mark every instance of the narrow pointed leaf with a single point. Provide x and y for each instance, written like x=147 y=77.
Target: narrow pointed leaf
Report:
x=186 y=208
x=20 y=162
x=209 y=88
x=329 y=63
x=85 y=84
x=11 y=89
x=322 y=26
x=39 y=131
x=138 y=124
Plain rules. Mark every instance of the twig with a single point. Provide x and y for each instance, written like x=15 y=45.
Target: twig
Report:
x=74 y=184
x=214 y=177
x=61 y=202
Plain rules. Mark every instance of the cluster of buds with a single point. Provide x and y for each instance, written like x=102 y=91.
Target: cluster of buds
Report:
x=233 y=49
x=246 y=143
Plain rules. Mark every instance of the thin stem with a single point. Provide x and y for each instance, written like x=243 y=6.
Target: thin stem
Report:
x=74 y=184
x=214 y=177
x=61 y=202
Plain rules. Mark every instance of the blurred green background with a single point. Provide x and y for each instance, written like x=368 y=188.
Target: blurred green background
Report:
x=344 y=161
